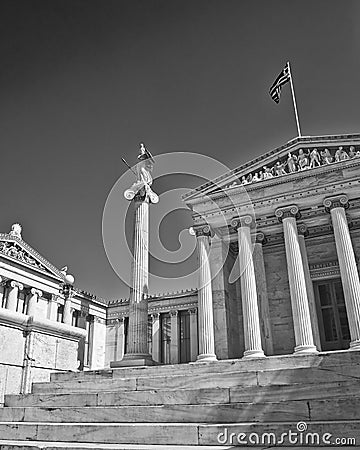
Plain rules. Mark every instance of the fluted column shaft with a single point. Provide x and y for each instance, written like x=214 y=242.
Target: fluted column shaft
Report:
x=302 y=232
x=304 y=341
x=137 y=345
x=33 y=300
x=156 y=337
x=205 y=303
x=252 y=333
x=174 y=343
x=12 y=299
x=262 y=293
x=347 y=264
x=193 y=334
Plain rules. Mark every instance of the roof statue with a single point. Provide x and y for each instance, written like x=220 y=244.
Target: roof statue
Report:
x=143 y=171
x=16 y=230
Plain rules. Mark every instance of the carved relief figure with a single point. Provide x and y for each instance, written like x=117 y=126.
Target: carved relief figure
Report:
x=326 y=156
x=314 y=158
x=303 y=160
x=291 y=163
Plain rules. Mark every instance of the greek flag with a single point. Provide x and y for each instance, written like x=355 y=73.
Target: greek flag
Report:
x=283 y=78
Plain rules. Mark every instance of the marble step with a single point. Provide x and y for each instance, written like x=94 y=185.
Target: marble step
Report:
x=252 y=434
x=272 y=393
x=322 y=360
x=25 y=445
x=328 y=409
x=306 y=375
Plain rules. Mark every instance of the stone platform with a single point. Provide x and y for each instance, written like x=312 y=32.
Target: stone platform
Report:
x=190 y=405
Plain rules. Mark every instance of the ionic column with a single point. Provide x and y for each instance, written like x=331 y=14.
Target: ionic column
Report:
x=156 y=336
x=193 y=334
x=52 y=308
x=174 y=343
x=304 y=341
x=303 y=232
x=33 y=301
x=137 y=345
x=120 y=338
x=205 y=302
x=252 y=333
x=262 y=293
x=347 y=263
x=68 y=293
x=12 y=298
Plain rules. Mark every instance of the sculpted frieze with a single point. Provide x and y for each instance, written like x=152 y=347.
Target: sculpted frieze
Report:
x=14 y=251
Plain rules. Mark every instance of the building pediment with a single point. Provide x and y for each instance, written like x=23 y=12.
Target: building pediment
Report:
x=14 y=249
x=298 y=155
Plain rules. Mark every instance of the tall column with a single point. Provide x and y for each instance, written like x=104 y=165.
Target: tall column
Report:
x=194 y=347
x=303 y=232
x=174 y=343
x=252 y=333
x=33 y=301
x=137 y=352
x=12 y=299
x=347 y=263
x=304 y=341
x=156 y=336
x=205 y=302
x=262 y=293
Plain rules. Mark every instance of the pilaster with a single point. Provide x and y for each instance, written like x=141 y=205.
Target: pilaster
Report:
x=174 y=343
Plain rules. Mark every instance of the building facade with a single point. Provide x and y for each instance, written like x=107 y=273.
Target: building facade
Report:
x=278 y=243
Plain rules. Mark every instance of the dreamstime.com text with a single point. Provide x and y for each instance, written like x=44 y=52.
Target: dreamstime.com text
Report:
x=299 y=437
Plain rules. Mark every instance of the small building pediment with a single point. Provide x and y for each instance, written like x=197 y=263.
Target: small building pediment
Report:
x=13 y=248
x=298 y=155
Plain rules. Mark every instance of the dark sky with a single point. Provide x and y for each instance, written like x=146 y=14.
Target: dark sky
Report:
x=82 y=82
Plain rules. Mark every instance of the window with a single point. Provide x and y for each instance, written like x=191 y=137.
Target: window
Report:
x=165 y=327
x=88 y=340
x=184 y=322
x=333 y=322
x=60 y=313
x=75 y=318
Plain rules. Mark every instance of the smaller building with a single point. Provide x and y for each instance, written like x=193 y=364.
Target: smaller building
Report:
x=46 y=324
x=172 y=328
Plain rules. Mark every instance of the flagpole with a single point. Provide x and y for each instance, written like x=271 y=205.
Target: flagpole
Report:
x=294 y=101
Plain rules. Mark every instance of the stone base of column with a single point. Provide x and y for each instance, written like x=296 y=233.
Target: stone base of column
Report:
x=206 y=358
x=135 y=360
x=355 y=345
x=254 y=354
x=300 y=349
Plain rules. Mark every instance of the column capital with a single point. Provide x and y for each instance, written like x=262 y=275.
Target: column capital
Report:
x=286 y=212
x=37 y=292
x=260 y=238
x=338 y=201
x=303 y=229
x=192 y=311
x=243 y=221
x=120 y=319
x=155 y=316
x=16 y=284
x=174 y=312
x=203 y=230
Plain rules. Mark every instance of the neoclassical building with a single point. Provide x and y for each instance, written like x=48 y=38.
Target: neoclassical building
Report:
x=278 y=244
x=289 y=222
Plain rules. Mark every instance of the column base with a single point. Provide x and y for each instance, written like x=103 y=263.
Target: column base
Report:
x=254 y=354
x=355 y=345
x=301 y=349
x=134 y=360
x=206 y=358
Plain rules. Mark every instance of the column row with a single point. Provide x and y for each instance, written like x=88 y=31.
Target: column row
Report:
x=306 y=331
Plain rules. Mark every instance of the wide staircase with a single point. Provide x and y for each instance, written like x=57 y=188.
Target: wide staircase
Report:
x=282 y=401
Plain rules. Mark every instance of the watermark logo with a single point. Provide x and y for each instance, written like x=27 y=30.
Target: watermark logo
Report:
x=215 y=211
x=302 y=436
